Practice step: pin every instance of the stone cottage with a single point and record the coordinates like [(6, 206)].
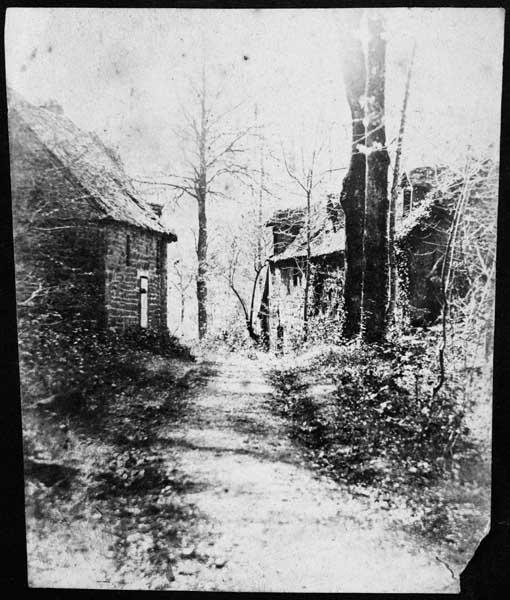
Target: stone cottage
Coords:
[(283, 299), (421, 240), (86, 248), (424, 214), (430, 197)]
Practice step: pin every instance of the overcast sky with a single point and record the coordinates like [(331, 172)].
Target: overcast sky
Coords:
[(123, 72)]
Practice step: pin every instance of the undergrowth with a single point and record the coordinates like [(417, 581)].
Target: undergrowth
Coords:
[(379, 426), (95, 470)]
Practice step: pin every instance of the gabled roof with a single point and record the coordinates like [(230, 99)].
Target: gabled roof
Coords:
[(96, 167), (440, 202), (426, 177), (324, 240), (286, 217)]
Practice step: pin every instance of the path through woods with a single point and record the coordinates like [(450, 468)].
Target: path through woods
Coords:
[(267, 521)]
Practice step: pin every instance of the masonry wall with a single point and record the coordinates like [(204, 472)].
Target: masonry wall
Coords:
[(286, 307), (61, 248), (420, 265), (123, 272), (58, 247), (287, 300)]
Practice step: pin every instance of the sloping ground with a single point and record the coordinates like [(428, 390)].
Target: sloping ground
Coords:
[(104, 505), (269, 523)]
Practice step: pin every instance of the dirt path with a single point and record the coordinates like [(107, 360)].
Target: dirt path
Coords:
[(269, 523)]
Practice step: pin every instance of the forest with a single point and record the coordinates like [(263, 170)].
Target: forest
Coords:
[(259, 314)]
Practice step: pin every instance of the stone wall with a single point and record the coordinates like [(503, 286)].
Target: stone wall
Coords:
[(421, 255), (57, 245), (286, 301), (63, 249), (123, 272), (287, 293)]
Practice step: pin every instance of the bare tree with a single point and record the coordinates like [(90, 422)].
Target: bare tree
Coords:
[(307, 185), (211, 151), (469, 254), (394, 195), (261, 186), (308, 179), (233, 268), (181, 283)]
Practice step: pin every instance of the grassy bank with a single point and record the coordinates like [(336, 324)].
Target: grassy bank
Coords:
[(368, 417)]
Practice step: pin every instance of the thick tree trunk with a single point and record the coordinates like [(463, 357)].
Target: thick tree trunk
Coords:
[(202, 263), (352, 197), (375, 281)]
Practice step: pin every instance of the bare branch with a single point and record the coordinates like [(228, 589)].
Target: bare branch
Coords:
[(33, 296)]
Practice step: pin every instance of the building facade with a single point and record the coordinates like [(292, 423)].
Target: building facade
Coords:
[(284, 300), (425, 209), (86, 248)]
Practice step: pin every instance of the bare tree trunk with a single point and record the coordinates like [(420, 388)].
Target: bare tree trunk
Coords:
[(352, 197), (202, 266), (248, 317), (264, 311), (201, 195), (393, 197), (253, 292), (446, 269), (308, 255), (260, 198), (375, 281)]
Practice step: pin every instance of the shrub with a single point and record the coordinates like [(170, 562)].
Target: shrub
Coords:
[(382, 418)]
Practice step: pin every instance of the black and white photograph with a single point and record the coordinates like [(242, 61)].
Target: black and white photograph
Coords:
[(255, 274)]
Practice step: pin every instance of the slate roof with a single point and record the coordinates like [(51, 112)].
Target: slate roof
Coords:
[(94, 165)]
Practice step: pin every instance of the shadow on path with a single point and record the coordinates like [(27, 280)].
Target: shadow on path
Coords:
[(271, 523)]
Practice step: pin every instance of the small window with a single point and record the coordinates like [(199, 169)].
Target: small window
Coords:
[(158, 254), (144, 301), (286, 278), (128, 250), (296, 276)]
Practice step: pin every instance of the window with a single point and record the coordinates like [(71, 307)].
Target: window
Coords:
[(128, 250), (144, 301), (296, 276), (158, 254), (285, 278)]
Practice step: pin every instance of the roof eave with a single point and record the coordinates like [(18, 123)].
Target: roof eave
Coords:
[(166, 234), (276, 260)]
